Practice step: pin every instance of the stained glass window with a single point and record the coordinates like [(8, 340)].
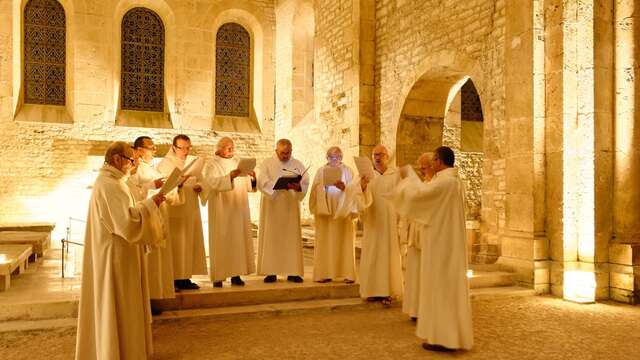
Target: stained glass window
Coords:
[(44, 53), (232, 70), (142, 85)]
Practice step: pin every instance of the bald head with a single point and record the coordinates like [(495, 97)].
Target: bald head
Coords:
[(225, 148), (424, 164), (283, 150), (380, 156)]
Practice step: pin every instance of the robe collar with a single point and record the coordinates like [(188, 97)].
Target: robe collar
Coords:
[(390, 170), (113, 172), (173, 157), (448, 172)]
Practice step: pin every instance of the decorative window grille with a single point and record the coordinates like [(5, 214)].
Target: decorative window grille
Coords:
[(471, 108), (232, 70), (142, 86), (44, 53)]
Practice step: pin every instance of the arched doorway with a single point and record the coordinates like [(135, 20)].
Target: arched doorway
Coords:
[(447, 111)]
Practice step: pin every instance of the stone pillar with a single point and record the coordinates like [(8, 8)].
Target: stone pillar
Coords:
[(524, 246), (626, 186), (369, 130)]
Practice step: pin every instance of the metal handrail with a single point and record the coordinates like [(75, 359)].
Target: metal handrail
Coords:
[(68, 241)]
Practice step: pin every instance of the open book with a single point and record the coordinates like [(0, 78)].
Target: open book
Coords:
[(174, 179), (289, 177)]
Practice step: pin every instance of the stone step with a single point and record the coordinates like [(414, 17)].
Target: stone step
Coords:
[(500, 292), (260, 310), (489, 279), (256, 292)]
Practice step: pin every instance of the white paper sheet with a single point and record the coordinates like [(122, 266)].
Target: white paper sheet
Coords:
[(331, 175), (173, 180), (364, 166), (194, 167), (246, 165)]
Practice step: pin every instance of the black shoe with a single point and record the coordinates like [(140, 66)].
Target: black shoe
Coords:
[(294, 278), (187, 284), (217, 284), (438, 348), (349, 281), (270, 278), (414, 319), (155, 311), (236, 280), (324, 281)]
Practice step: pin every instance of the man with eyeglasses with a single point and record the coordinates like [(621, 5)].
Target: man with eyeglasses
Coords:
[(380, 261), (444, 312), (143, 183), (114, 279), (185, 222), (333, 214)]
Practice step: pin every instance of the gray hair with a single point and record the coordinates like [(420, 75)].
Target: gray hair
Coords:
[(222, 142), (334, 150), (283, 142), (116, 148)]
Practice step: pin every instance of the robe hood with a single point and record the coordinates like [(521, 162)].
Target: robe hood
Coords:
[(111, 171)]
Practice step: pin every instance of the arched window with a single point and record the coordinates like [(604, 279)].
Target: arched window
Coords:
[(142, 86), (44, 53), (232, 70)]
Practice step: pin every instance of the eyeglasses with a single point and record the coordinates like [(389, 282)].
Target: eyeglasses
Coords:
[(151, 148), (133, 161), (184, 147)]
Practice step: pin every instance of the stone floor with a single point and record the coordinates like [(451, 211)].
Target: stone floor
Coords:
[(505, 328)]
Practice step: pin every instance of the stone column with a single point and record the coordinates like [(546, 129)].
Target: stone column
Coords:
[(369, 129), (524, 246), (625, 253)]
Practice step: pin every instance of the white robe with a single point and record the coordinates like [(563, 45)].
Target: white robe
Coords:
[(334, 229), (230, 240), (444, 314), (114, 317), (160, 258), (185, 224), (380, 260), (411, 295), (279, 237)]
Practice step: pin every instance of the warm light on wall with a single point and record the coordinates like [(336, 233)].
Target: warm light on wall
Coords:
[(580, 286), (469, 274)]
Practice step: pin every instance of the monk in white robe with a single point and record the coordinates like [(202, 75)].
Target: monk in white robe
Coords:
[(185, 222), (380, 260), (444, 314), (411, 296), (145, 182), (333, 221), (230, 237), (279, 237), (114, 318)]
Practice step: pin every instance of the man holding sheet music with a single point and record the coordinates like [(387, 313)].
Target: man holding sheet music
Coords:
[(185, 222), (226, 183), (283, 182), (380, 266), (333, 219)]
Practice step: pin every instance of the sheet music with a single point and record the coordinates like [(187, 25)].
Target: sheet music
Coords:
[(246, 165), (331, 175), (173, 180), (193, 168), (364, 166)]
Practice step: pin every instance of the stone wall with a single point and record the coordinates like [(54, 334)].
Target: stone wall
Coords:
[(47, 167), (438, 44)]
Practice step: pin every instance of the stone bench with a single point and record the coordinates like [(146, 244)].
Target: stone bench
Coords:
[(40, 241), (36, 227), (12, 258)]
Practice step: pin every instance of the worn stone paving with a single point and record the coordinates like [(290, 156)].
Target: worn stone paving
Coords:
[(511, 328)]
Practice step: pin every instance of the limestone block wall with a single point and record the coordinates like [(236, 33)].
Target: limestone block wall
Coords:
[(440, 43), (334, 118), (48, 167)]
